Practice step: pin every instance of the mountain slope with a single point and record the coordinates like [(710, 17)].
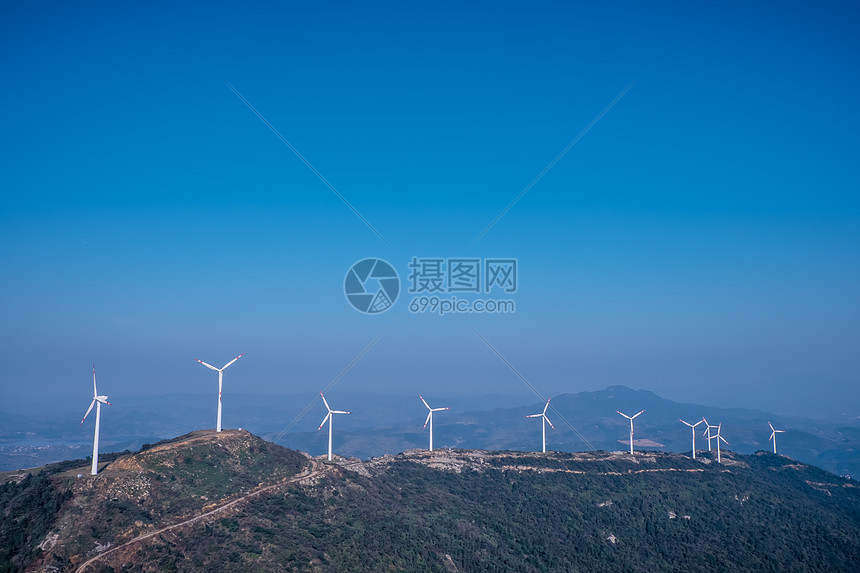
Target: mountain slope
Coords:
[(230, 501), (134, 494)]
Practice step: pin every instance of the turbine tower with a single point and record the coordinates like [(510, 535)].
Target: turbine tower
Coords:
[(329, 418), (718, 437), (220, 372), (429, 419), (544, 422), (631, 427), (97, 402), (693, 431), (773, 434), (707, 433)]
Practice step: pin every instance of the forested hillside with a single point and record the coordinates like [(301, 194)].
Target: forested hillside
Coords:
[(449, 510)]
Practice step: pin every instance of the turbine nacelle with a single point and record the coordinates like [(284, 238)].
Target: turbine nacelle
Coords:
[(220, 372), (96, 397), (631, 426), (97, 401), (329, 417), (718, 437), (207, 365), (693, 431), (773, 433), (630, 417), (544, 422), (430, 411), (543, 415)]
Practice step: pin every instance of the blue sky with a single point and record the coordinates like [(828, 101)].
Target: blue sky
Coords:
[(702, 240)]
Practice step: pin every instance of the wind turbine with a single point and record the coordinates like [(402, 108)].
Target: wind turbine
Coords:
[(220, 372), (773, 434), (544, 422), (430, 418), (693, 431), (718, 437), (707, 432), (631, 427), (97, 401), (330, 418)]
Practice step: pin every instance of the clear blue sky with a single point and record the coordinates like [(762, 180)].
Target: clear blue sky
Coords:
[(702, 240)]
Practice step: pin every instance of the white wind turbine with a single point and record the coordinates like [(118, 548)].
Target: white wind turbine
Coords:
[(430, 418), (718, 437), (97, 402), (708, 433), (773, 434), (631, 426), (329, 418), (220, 372), (544, 422), (693, 430)]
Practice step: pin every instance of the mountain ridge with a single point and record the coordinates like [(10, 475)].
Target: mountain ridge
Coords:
[(207, 501)]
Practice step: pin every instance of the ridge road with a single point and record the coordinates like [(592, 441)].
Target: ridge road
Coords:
[(317, 468)]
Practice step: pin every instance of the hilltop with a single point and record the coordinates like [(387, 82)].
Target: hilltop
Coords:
[(232, 501), (133, 494)]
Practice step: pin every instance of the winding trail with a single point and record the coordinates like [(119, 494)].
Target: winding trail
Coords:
[(317, 468)]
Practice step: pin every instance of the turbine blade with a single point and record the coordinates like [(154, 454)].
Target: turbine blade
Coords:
[(772, 434), (439, 409), (327, 416), (688, 423), (547, 405), (771, 426), (340, 412), (232, 361), (425, 402), (95, 392), (723, 439), (325, 402), (93, 403), (206, 365), (534, 415), (550, 423), (637, 414), (427, 421)]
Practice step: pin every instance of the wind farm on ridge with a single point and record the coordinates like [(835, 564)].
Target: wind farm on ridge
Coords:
[(709, 433)]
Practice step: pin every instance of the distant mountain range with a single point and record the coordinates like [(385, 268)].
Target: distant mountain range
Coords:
[(383, 425)]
